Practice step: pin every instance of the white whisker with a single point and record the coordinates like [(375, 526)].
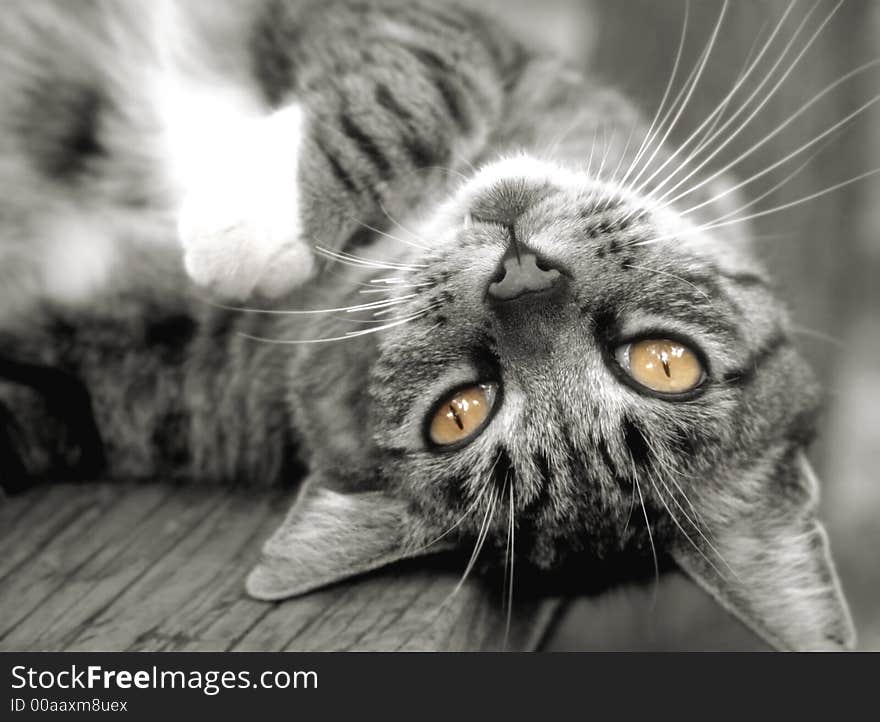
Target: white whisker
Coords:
[(306, 312), (700, 68), (363, 262), (761, 214), (682, 530), (672, 275), (481, 539), (403, 227), (812, 333), (649, 134), (511, 550), (806, 146), (770, 191), (776, 131), (390, 235), (727, 99), (348, 335), (650, 535), (467, 511)]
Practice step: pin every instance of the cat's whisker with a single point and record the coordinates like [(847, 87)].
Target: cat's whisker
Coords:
[(700, 68), (404, 228), (346, 336), (610, 196), (747, 62), (308, 312), (343, 274), (478, 546), (468, 511), (553, 146), (353, 264), (698, 521), (727, 99), (390, 318), (706, 142), (435, 167), (385, 234), (671, 275), (647, 139), (481, 539), (697, 528), (592, 152), (384, 303), (666, 201), (465, 161), (632, 506), (362, 262), (670, 472), (614, 174), (606, 146), (651, 143), (511, 547), (760, 214), (401, 285), (766, 99), (650, 535), (430, 307), (813, 333), (687, 536), (770, 191)]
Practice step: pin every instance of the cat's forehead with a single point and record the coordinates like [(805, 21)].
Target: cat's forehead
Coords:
[(550, 201)]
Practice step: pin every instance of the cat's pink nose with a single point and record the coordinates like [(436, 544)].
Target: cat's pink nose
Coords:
[(519, 274)]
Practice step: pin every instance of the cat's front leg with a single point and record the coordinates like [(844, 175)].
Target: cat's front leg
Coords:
[(240, 221)]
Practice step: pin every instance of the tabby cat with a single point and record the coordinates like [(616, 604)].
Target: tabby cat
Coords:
[(386, 242)]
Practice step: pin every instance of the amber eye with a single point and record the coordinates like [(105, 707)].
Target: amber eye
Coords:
[(661, 365), (462, 415)]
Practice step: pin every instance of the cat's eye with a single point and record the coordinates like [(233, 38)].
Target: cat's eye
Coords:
[(662, 365), (462, 415)]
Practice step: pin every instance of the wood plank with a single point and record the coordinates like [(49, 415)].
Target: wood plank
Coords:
[(214, 607), (405, 607), (88, 588), (39, 523), (155, 567), (48, 572), (14, 510), (135, 599)]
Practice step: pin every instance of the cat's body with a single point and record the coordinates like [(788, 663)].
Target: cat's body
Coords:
[(428, 148)]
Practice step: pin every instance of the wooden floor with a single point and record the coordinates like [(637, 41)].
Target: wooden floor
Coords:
[(152, 567)]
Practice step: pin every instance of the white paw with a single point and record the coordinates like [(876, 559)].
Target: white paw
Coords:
[(239, 223)]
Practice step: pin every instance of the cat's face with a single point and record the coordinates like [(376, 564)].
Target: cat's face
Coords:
[(575, 431), (636, 391)]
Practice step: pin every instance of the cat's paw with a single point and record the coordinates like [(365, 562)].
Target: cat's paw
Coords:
[(244, 239), (239, 224)]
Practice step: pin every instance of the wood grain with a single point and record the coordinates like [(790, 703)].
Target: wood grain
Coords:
[(152, 567)]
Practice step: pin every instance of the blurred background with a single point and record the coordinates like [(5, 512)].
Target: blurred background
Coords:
[(825, 255)]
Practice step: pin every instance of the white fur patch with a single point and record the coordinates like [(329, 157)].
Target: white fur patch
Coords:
[(239, 223), (523, 167)]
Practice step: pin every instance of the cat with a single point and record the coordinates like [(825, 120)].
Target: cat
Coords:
[(387, 246)]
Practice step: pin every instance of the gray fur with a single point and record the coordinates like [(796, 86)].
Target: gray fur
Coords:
[(401, 99)]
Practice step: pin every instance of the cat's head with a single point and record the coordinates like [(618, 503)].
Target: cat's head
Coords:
[(592, 375)]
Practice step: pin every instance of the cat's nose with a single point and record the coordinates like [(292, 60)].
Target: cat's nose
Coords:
[(521, 273)]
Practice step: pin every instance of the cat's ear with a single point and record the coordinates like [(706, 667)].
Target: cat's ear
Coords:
[(328, 536), (770, 566)]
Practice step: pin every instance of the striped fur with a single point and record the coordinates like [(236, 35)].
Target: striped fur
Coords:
[(426, 136)]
